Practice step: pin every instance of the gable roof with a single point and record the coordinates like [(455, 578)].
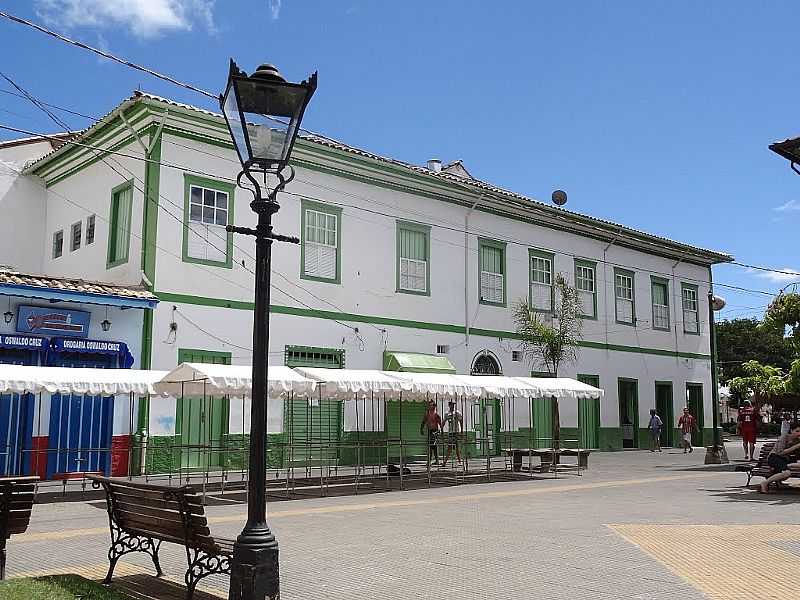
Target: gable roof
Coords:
[(545, 214)]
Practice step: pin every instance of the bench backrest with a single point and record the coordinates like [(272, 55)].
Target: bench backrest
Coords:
[(764, 453), (172, 514), (16, 502)]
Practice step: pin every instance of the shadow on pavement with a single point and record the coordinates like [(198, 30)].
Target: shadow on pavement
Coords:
[(787, 495), (148, 587)]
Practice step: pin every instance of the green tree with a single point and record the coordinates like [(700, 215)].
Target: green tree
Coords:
[(551, 339), (762, 382), (784, 312), (741, 340)]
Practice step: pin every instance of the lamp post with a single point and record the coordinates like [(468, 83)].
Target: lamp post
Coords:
[(716, 453), (263, 113)]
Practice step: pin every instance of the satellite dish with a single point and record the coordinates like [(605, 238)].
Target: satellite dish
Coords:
[(559, 197)]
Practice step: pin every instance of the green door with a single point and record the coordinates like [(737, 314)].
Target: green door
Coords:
[(543, 422), (488, 427), (628, 394), (201, 423), (402, 423), (314, 428), (694, 400), (665, 411), (589, 415)]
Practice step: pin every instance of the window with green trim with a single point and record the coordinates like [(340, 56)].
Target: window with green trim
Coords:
[(58, 243), (413, 258), (593, 380), (212, 357), (541, 281), (659, 291), (492, 272), (321, 242), (119, 234), (691, 312), (307, 356), (75, 236), (624, 297), (586, 285), (208, 207)]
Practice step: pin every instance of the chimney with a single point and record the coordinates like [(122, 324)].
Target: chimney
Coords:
[(435, 165)]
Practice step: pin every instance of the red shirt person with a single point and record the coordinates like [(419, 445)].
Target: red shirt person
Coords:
[(687, 424), (748, 428)]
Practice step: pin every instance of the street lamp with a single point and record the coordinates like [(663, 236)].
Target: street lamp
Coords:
[(263, 112), (790, 150), (716, 453)]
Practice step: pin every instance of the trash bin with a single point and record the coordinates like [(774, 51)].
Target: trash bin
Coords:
[(139, 453)]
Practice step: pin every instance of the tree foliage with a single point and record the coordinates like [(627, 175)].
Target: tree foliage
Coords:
[(551, 343), (742, 340), (760, 381), (784, 312)]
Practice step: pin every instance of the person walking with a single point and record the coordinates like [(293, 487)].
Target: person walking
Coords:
[(432, 422), (655, 426), (454, 422), (747, 423), (778, 459), (687, 424), (786, 421)]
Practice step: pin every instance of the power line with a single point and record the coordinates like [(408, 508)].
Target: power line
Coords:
[(61, 108), (107, 55)]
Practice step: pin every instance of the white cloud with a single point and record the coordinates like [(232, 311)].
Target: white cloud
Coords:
[(779, 276), (144, 18), (791, 205), (275, 8)]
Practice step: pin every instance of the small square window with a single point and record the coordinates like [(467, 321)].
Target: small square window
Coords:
[(90, 229), (75, 236), (516, 356), (58, 243), (442, 348)]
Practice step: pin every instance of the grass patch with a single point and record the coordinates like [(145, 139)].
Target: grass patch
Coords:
[(57, 587)]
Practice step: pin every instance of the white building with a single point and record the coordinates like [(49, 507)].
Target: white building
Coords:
[(394, 258)]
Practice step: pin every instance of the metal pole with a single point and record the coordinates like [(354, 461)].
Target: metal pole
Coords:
[(716, 454), (254, 568)]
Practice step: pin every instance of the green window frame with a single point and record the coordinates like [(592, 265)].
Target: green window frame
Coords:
[(211, 357), (690, 304), (310, 356), (207, 202), (119, 232), (659, 297), (541, 279), (320, 234), (491, 272), (542, 374), (589, 379), (413, 256), (624, 293), (75, 236), (586, 286)]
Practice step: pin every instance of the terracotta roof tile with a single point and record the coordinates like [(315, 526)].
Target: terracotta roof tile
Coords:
[(8, 277)]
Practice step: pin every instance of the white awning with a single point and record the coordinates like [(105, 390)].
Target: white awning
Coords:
[(421, 385), (199, 378), (560, 387), (497, 385), (21, 379), (343, 384)]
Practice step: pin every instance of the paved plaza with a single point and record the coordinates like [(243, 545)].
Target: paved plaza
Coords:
[(636, 525)]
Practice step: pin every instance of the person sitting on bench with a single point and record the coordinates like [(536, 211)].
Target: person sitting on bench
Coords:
[(778, 458)]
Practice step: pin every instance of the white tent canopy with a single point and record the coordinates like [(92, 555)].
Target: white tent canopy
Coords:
[(343, 384), (423, 385), (497, 385), (560, 387), (199, 378), (21, 379)]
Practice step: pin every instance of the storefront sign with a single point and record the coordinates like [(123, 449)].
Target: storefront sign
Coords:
[(23, 342), (53, 321), (119, 349)]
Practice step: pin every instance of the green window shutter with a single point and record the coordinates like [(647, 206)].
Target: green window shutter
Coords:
[(492, 272), (660, 296), (307, 356), (413, 258), (543, 422), (119, 234), (203, 356)]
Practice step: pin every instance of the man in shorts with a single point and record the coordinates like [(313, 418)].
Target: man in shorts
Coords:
[(655, 425), (453, 422), (687, 424), (778, 459), (748, 428), (433, 423)]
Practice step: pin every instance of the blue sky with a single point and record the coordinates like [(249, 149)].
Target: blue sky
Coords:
[(653, 114)]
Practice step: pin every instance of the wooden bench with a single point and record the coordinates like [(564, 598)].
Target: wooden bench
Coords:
[(141, 516), (546, 455), (762, 468), (16, 502)]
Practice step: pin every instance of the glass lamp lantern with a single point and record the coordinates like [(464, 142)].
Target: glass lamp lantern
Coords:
[(263, 112)]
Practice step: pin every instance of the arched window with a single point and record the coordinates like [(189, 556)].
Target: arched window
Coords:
[(485, 363)]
